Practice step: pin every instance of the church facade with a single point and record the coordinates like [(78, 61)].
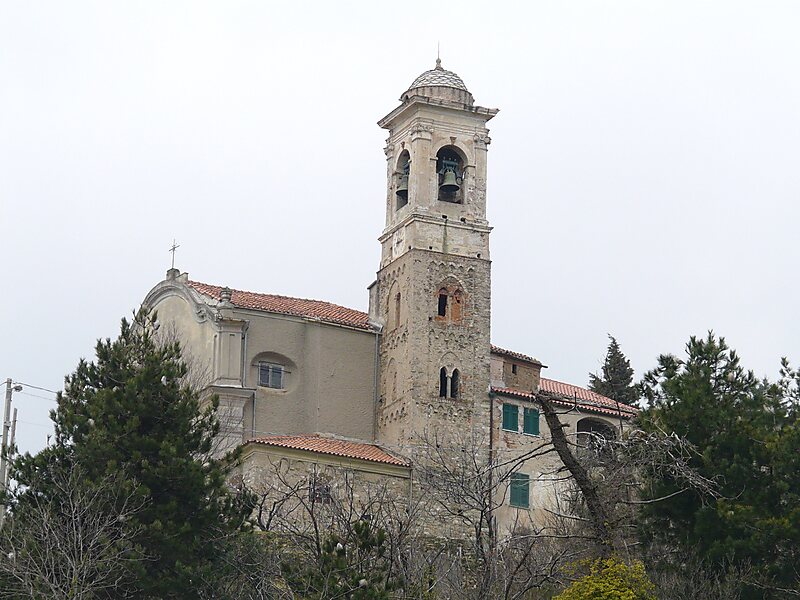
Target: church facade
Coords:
[(327, 387)]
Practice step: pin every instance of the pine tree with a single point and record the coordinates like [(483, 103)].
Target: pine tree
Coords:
[(746, 433), (130, 414), (616, 378)]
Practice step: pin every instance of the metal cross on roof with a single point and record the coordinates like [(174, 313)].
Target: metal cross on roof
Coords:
[(172, 249)]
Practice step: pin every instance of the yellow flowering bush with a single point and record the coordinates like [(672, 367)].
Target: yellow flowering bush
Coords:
[(610, 579)]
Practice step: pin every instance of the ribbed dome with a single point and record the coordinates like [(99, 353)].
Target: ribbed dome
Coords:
[(439, 83), (439, 76)]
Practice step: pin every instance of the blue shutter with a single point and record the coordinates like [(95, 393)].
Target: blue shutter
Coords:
[(511, 417), (520, 490), (530, 423)]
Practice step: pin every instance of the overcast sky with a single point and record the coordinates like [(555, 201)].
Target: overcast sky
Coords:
[(644, 174)]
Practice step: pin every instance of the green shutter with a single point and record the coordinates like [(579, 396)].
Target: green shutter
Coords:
[(511, 417), (520, 490), (530, 422)]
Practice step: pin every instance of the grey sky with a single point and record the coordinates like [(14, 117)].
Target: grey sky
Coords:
[(643, 175)]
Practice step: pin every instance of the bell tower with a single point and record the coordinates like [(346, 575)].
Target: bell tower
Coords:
[(432, 295)]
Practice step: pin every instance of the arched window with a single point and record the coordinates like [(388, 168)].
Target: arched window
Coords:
[(450, 168), (444, 296), (593, 432), (443, 383), (393, 306), (401, 177), (455, 380), (397, 299), (450, 301)]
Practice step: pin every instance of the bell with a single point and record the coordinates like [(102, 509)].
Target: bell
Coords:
[(449, 184), (402, 186)]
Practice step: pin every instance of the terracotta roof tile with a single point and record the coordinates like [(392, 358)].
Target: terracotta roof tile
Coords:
[(334, 447), (299, 307), (517, 355), (570, 395)]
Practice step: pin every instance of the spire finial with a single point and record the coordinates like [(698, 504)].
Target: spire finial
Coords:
[(438, 59)]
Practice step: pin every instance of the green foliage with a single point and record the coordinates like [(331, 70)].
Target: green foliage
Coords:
[(610, 579), (354, 567), (130, 414), (746, 434), (616, 378)]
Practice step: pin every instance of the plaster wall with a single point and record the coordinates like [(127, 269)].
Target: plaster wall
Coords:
[(178, 318), (329, 377)]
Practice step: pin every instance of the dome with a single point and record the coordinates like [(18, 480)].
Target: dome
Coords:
[(439, 83)]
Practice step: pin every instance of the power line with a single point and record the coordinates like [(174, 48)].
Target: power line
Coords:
[(37, 396), (36, 387)]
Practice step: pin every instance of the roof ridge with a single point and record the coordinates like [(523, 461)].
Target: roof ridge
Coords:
[(284, 296)]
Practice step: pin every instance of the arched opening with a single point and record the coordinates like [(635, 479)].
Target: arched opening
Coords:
[(444, 296), (397, 300), (401, 178), (393, 306), (443, 383), (450, 301), (450, 169), (593, 433), (455, 382)]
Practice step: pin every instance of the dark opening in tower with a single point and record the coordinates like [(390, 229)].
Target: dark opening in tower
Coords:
[(450, 169), (401, 178)]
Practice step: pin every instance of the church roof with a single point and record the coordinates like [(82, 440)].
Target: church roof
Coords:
[(285, 305), (331, 446), (573, 395), (439, 76)]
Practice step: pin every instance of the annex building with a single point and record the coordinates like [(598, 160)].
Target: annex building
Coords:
[(327, 387)]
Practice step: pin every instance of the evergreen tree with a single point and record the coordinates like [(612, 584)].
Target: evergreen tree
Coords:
[(131, 415), (746, 434), (616, 378), (353, 567)]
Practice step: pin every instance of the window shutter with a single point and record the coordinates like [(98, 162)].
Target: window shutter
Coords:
[(530, 424), (511, 417), (520, 490)]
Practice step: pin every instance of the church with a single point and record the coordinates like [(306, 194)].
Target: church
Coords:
[(328, 387)]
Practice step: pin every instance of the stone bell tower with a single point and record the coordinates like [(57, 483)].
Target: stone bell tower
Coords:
[(432, 295)]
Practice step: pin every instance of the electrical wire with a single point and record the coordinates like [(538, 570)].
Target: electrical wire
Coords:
[(36, 387), (37, 396)]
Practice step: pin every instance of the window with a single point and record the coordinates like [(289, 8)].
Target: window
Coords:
[(454, 382), (397, 299), (270, 375), (319, 491), (520, 490), (510, 417), (403, 171), (443, 383), (530, 421), (443, 303), (450, 303), (450, 169), (514, 369)]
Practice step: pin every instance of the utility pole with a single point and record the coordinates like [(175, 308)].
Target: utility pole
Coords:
[(11, 442), (10, 389), (6, 428)]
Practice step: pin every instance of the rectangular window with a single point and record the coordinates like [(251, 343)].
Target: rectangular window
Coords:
[(319, 491), (520, 490), (511, 417), (514, 369), (530, 421), (270, 375), (442, 305)]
